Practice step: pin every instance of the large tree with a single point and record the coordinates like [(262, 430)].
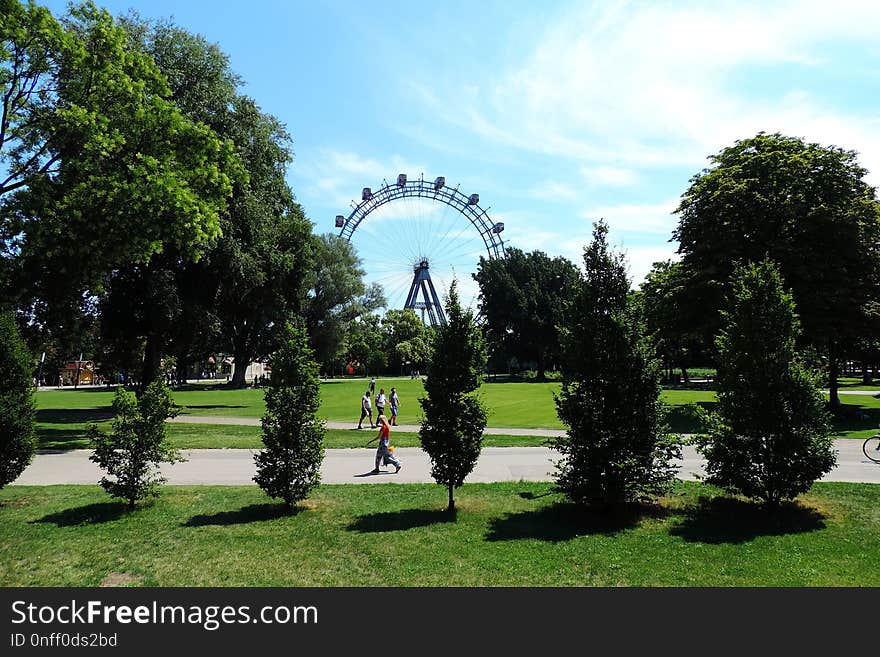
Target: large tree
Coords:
[(804, 206), (407, 339), (770, 437), (252, 280), (616, 447), (521, 299), (125, 173), (108, 172), (670, 316), (337, 296)]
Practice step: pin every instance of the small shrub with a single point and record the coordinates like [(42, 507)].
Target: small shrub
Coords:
[(133, 451)]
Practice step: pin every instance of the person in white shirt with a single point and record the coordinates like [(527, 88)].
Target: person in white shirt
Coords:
[(380, 402), (366, 409), (395, 404)]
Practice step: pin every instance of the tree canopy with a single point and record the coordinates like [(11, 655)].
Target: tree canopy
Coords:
[(522, 297), (802, 205)]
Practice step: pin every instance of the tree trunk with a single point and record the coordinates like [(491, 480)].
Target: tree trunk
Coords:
[(684, 374), (182, 368), (833, 371), (866, 372), (451, 506), (242, 360), (152, 361)]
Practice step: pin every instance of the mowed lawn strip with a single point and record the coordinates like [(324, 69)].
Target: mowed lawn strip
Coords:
[(231, 436), (513, 534), (63, 415)]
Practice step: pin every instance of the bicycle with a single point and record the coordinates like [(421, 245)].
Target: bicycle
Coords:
[(871, 448)]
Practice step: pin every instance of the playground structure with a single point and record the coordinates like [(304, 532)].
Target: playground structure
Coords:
[(77, 373)]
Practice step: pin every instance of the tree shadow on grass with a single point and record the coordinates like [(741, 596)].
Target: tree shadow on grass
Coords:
[(204, 406), (61, 440), (244, 515), (564, 521), (728, 520), (396, 521), (854, 417), (90, 514), (73, 415)]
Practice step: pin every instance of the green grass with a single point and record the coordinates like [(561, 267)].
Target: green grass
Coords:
[(63, 415), (855, 383), (512, 534), (230, 436)]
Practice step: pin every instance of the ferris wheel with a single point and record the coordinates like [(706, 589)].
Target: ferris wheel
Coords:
[(419, 232)]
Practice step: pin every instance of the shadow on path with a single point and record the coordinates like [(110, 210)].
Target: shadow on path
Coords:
[(244, 515), (564, 521), (395, 521), (728, 520), (91, 514)]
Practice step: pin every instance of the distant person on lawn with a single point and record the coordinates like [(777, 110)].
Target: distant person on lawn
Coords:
[(394, 400), (372, 385), (383, 454), (366, 409)]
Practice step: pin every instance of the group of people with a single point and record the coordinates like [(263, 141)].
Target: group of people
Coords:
[(384, 454), (382, 400)]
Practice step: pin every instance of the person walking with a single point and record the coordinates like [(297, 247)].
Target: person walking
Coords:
[(381, 400), (383, 453), (394, 400), (366, 409), (372, 385)]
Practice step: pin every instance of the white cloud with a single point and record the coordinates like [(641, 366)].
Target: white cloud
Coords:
[(552, 190), (609, 176), (336, 177), (641, 258), (635, 219), (643, 85)]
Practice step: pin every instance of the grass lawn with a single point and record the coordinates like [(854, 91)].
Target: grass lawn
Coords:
[(62, 415), (512, 534), (855, 383), (226, 436)]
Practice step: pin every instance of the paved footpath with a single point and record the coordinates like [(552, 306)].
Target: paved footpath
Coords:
[(352, 466)]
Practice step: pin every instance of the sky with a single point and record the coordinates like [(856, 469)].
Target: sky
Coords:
[(555, 113)]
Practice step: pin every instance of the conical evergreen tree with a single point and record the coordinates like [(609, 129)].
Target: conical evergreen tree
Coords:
[(17, 441), (616, 448), (290, 465), (770, 437), (452, 427)]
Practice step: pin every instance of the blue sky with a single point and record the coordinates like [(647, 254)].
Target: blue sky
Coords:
[(556, 115)]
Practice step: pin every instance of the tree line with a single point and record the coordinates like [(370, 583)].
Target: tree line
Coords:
[(803, 206)]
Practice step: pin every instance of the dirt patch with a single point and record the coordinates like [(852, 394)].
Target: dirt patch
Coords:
[(15, 502), (122, 579)]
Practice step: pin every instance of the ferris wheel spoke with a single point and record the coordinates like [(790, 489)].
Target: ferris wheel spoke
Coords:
[(458, 247), (413, 226)]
